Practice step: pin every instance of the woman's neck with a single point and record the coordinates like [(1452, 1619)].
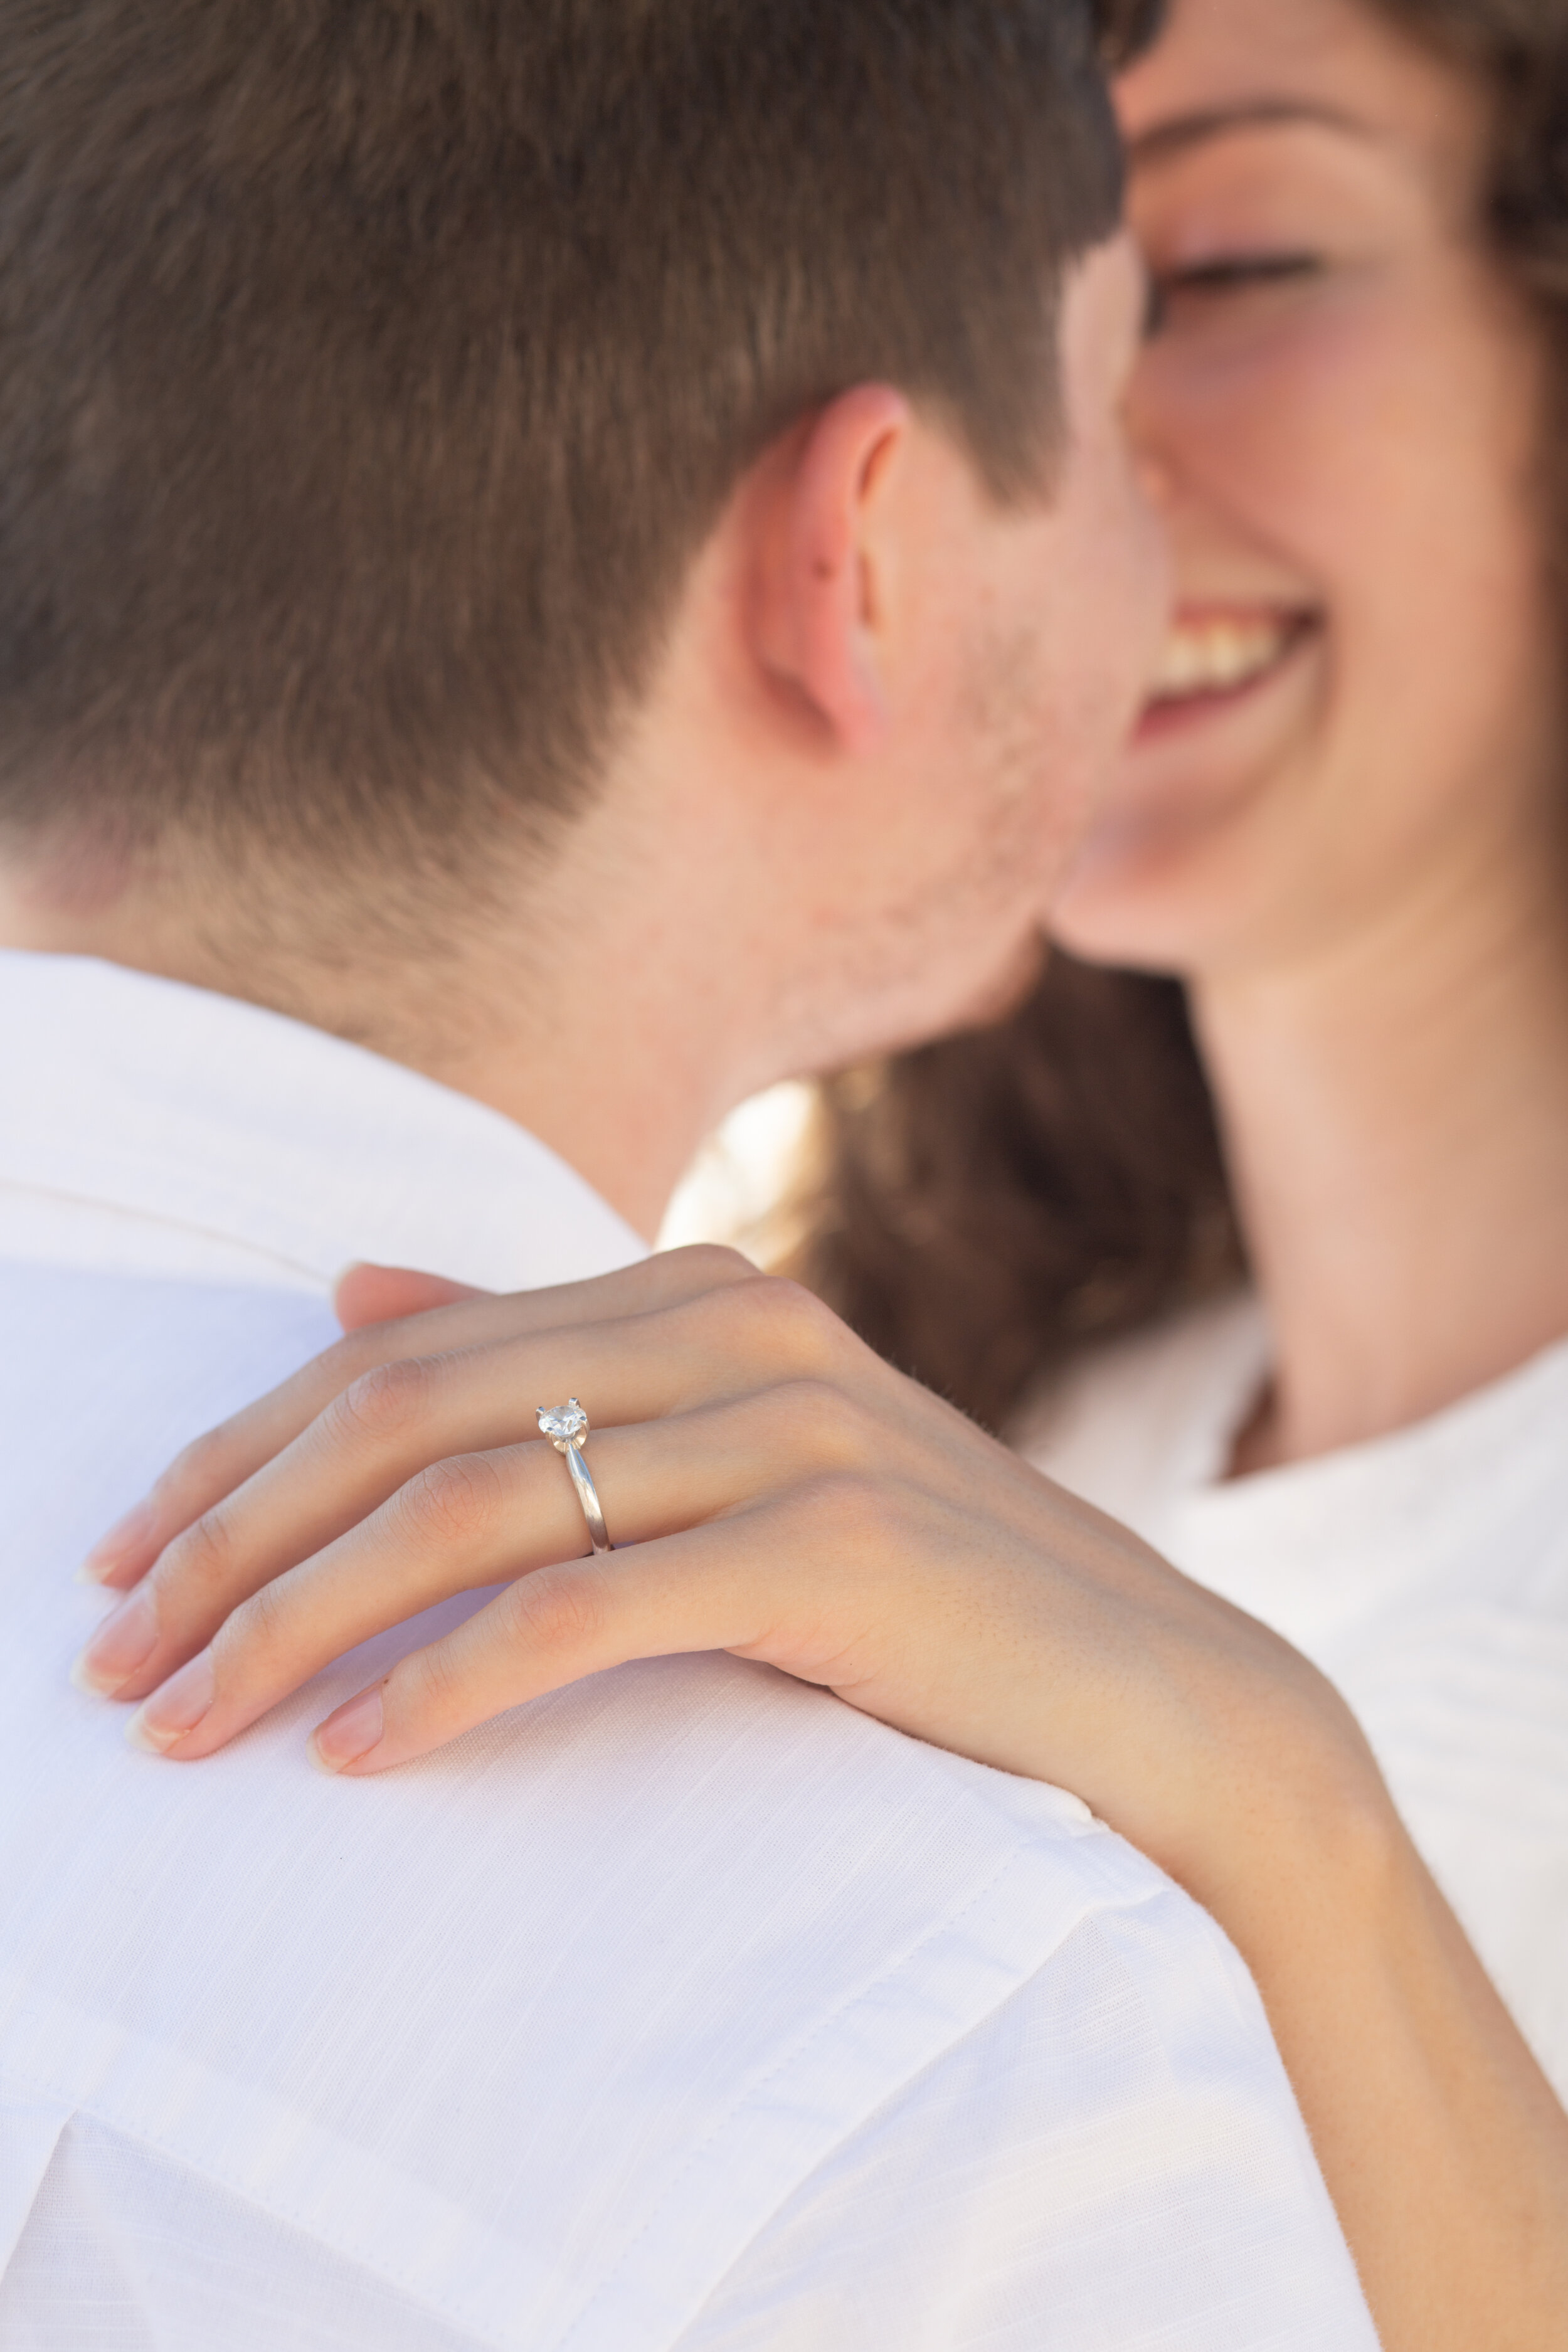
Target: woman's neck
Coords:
[(1397, 1122)]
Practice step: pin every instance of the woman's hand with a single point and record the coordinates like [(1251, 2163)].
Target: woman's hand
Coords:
[(772, 1489), (777, 1491)]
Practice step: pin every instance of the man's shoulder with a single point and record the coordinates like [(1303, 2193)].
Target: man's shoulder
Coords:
[(547, 2029), (552, 2029), (660, 1941)]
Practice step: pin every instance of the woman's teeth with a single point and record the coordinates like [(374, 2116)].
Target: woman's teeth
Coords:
[(1210, 656)]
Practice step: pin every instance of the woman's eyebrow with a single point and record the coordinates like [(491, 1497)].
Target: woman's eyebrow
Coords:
[(1182, 131)]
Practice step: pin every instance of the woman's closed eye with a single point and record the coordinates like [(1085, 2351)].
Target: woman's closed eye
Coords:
[(1222, 277)]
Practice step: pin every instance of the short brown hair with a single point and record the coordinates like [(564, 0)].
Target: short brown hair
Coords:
[(370, 370)]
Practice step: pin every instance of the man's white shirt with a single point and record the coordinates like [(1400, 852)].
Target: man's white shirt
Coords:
[(687, 2008)]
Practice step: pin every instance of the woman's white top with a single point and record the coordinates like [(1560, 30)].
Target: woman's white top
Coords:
[(1427, 1573)]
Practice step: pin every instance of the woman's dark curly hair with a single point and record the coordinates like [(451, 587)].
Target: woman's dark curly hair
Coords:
[(982, 1207)]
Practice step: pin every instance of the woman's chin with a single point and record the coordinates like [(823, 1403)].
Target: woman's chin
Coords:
[(1160, 896), (1172, 872)]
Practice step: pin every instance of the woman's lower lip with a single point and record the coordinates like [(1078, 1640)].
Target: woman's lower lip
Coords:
[(1168, 714)]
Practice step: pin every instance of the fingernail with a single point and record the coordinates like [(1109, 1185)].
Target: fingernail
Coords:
[(122, 1643), (175, 1708), (123, 1538), (347, 1734)]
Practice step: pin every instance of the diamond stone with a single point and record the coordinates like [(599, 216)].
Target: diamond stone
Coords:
[(564, 1424)]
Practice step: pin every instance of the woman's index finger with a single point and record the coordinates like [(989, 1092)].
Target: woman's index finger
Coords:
[(223, 1457), (210, 1469)]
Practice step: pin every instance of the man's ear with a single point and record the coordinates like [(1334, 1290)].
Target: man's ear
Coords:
[(825, 588)]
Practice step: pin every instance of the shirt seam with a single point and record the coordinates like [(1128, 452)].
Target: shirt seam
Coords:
[(1126, 1901), (139, 2133)]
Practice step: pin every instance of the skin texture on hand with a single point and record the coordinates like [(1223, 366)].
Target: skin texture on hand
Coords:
[(776, 1490)]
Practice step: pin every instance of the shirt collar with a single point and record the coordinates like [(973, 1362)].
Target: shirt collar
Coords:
[(126, 1093)]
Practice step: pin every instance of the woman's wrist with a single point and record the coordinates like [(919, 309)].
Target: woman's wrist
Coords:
[(1299, 1835), (1407, 2068), (1201, 1736)]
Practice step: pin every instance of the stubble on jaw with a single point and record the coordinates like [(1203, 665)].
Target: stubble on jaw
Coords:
[(1033, 773), (980, 919)]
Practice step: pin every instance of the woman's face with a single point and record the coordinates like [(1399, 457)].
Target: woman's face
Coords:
[(1339, 403)]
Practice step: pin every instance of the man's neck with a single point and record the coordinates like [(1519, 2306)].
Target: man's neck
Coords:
[(566, 1019)]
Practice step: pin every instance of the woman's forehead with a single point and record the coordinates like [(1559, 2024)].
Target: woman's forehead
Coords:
[(1224, 66)]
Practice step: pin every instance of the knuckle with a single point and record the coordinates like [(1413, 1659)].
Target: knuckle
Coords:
[(338, 1366), (452, 1502), (779, 1320), (811, 1329), (257, 1630), (429, 1687), (199, 1470), (560, 1613), (849, 1507), (818, 1421), (201, 1560), (715, 1261), (383, 1403), (346, 1357)]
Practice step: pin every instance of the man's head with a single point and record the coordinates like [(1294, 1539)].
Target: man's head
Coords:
[(384, 387)]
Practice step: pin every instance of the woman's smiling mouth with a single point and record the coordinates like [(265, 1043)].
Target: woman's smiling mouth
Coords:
[(1213, 656)]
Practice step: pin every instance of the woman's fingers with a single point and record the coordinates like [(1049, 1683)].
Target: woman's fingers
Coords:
[(464, 1523), (813, 1580), (219, 1462), (391, 1424), (389, 1293), (548, 1629), (394, 1421)]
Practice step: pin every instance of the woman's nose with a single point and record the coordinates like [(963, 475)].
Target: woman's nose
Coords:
[(1139, 416), (1156, 476)]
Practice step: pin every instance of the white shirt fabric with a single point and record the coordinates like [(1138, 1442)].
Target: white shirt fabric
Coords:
[(684, 2008), (1427, 1573)]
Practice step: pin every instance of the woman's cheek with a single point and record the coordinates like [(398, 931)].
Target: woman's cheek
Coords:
[(1271, 426)]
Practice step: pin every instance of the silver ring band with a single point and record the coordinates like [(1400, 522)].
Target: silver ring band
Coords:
[(566, 1427), (588, 1494)]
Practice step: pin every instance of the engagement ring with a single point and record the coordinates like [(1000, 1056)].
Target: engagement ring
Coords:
[(566, 1427)]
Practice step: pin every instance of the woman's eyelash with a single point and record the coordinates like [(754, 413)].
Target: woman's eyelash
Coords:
[(1226, 273)]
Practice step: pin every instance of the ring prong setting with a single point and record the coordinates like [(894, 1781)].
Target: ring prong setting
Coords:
[(564, 1424)]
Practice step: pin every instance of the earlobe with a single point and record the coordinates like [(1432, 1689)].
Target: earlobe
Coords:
[(826, 595)]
